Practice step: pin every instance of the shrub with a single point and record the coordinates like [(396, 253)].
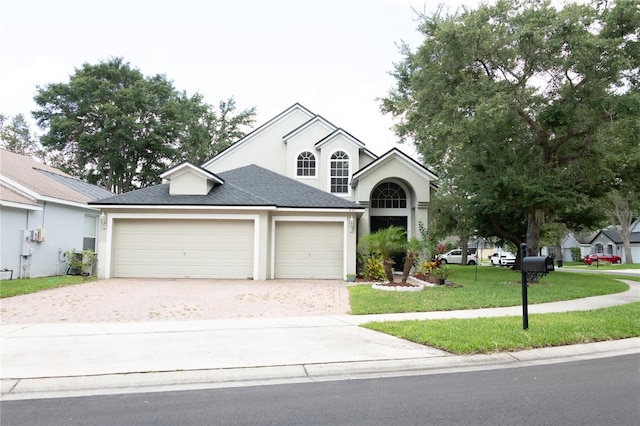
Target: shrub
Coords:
[(576, 254), (372, 267)]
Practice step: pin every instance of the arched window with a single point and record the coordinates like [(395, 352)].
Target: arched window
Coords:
[(339, 173), (306, 165), (388, 195)]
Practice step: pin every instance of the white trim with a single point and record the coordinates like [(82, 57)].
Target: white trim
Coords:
[(21, 188), (22, 206), (138, 216), (190, 168), (317, 119), (179, 207), (389, 156), (340, 132), (39, 197), (274, 219), (206, 207), (70, 203)]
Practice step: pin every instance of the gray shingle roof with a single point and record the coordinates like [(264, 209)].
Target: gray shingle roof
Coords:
[(93, 192), (245, 186)]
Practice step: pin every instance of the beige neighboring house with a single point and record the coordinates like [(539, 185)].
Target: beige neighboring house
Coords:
[(289, 200), (43, 213)]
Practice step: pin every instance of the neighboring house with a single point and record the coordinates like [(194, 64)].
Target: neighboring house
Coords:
[(289, 200), (573, 240), (609, 241), (43, 213)]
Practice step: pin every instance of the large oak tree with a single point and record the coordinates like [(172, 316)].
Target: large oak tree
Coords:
[(505, 101), (110, 125)]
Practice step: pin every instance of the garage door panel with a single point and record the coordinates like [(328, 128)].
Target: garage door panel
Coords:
[(309, 250), (183, 248)]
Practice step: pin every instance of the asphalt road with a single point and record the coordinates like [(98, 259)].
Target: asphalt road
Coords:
[(594, 392)]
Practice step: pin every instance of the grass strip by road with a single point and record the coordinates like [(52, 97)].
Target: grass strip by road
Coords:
[(483, 287), (489, 335), (9, 288)]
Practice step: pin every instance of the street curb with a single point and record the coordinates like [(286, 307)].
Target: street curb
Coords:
[(146, 382)]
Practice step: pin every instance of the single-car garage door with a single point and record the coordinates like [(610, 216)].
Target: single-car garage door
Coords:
[(309, 250), (183, 248)]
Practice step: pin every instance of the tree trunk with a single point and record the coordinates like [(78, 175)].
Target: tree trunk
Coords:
[(535, 219), (464, 246), (408, 264), (388, 269)]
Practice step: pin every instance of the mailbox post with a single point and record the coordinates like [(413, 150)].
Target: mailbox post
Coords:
[(533, 266), (525, 308)]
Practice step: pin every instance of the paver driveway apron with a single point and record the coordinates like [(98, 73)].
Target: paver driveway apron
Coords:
[(140, 300)]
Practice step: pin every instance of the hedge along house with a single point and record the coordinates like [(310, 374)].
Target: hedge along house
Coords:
[(289, 200)]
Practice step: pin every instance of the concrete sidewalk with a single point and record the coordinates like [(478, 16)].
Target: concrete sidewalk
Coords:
[(54, 360)]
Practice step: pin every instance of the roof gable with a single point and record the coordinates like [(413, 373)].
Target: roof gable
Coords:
[(337, 134), (394, 155), (187, 179), (315, 121), (295, 108)]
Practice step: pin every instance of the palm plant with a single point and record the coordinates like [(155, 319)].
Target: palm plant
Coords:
[(413, 250), (386, 242)]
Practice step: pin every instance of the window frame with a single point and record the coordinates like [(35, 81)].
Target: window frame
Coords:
[(397, 200), (346, 161), (313, 169), (86, 236)]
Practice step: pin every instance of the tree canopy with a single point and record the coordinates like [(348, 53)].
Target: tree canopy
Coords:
[(507, 101), (16, 136), (111, 125)]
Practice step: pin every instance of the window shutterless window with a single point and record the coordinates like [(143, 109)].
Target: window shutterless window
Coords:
[(339, 172), (306, 164), (90, 232)]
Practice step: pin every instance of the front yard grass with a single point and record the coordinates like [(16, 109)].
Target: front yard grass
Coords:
[(489, 335), (483, 287), (9, 288)]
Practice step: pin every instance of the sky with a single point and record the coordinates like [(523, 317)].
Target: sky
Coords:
[(331, 56)]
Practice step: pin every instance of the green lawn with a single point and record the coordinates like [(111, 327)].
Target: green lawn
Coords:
[(488, 335), (603, 266), (10, 288), (486, 287), (483, 287)]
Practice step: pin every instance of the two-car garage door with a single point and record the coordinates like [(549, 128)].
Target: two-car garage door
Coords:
[(224, 248), (165, 248)]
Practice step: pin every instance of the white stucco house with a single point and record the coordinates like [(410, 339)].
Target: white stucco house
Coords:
[(288, 200), (43, 213)]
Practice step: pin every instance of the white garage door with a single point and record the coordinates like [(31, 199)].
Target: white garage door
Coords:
[(309, 250), (183, 248)]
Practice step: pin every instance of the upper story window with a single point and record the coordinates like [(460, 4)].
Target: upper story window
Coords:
[(339, 173), (388, 195), (306, 164)]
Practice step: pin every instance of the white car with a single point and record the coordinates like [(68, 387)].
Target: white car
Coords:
[(504, 258), (455, 256)]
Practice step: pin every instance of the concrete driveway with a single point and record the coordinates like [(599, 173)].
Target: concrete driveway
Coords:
[(143, 300)]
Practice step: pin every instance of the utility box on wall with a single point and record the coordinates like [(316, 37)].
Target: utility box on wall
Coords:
[(38, 235), (25, 243)]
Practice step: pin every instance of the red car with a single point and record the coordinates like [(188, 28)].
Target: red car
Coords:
[(601, 257)]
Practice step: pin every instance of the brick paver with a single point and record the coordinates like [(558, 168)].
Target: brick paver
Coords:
[(136, 300)]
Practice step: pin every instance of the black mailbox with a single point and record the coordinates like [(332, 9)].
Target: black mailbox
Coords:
[(539, 264)]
